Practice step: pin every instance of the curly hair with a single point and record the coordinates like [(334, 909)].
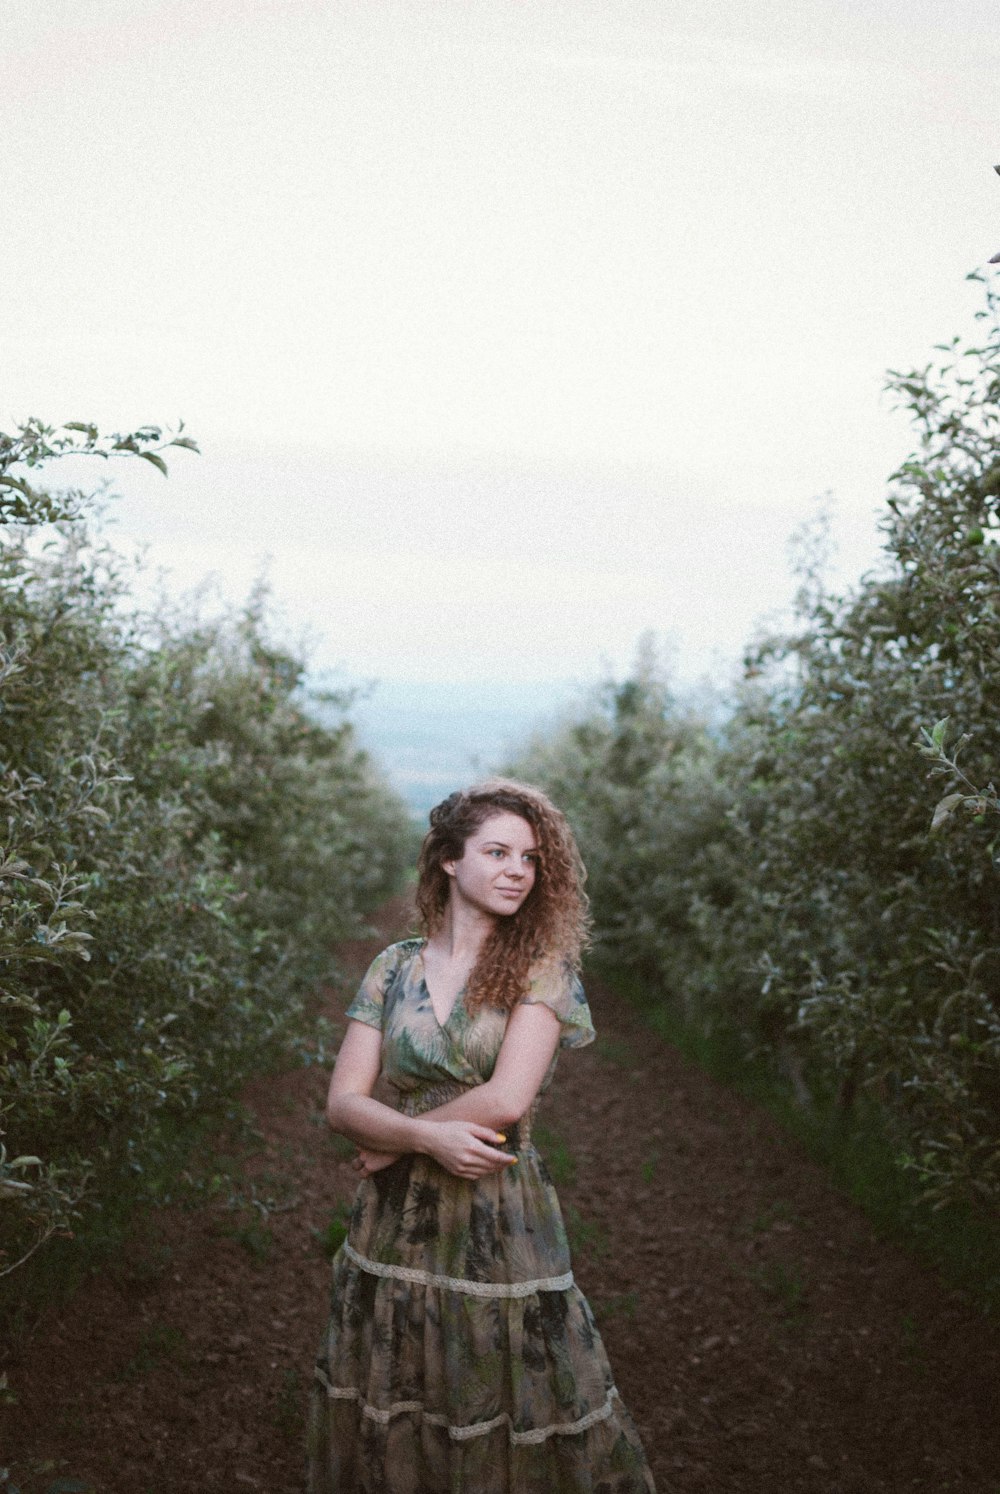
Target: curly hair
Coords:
[(550, 927)]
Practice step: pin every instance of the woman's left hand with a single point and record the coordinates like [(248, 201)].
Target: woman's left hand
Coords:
[(368, 1162)]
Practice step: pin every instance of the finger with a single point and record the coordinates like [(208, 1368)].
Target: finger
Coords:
[(487, 1167)]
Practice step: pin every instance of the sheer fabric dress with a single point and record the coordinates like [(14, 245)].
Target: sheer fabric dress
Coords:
[(460, 1357)]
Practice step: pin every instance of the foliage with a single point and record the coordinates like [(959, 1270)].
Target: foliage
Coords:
[(789, 859), (976, 801), (184, 831), (34, 444), (635, 773)]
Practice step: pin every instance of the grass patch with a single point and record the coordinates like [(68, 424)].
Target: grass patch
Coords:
[(615, 1050), (288, 1412), (145, 1261), (341, 1146), (784, 1285), (256, 1237), (558, 1158), (334, 1233), (779, 1214), (269, 1193), (857, 1148), (912, 1345), (617, 1305), (585, 1235), (647, 1170)]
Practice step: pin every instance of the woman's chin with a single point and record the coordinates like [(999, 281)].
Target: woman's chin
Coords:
[(508, 905)]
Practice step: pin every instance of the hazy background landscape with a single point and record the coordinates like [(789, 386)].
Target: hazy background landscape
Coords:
[(508, 333)]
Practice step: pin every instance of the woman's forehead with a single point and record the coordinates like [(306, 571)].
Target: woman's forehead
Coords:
[(504, 825)]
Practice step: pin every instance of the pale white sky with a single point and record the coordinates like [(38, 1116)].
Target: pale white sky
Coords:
[(509, 330)]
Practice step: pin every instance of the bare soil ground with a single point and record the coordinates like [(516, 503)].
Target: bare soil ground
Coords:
[(762, 1336)]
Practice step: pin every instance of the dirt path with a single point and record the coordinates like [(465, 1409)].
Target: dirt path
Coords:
[(762, 1337)]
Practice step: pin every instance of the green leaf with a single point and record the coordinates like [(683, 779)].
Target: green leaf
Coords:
[(945, 809), (939, 732), (12, 1189), (157, 461)]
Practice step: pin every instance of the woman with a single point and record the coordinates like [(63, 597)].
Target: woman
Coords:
[(460, 1356)]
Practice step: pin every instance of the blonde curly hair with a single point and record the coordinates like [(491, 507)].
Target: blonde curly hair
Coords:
[(551, 925)]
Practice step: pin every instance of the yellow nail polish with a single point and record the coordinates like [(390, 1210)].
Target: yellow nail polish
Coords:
[(501, 1136)]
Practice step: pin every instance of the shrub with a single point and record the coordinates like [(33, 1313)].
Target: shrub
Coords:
[(186, 830), (635, 772), (789, 858)]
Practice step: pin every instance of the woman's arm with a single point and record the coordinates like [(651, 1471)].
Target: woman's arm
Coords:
[(458, 1143), (522, 1063), (527, 1049)]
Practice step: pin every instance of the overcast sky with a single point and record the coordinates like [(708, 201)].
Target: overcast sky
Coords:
[(509, 330)]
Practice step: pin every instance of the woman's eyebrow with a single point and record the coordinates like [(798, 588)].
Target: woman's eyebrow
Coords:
[(504, 846)]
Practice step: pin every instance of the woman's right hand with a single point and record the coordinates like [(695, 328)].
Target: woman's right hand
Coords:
[(466, 1149), (368, 1161)]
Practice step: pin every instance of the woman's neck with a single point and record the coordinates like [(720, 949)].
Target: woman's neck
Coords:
[(463, 932)]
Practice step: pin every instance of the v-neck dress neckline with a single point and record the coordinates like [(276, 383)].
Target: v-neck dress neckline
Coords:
[(459, 994)]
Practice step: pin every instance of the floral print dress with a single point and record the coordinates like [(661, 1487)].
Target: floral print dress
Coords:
[(460, 1358)]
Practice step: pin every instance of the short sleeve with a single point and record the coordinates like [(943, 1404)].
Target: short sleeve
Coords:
[(558, 988), (368, 1003)]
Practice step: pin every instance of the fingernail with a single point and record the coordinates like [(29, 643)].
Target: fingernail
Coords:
[(501, 1136)]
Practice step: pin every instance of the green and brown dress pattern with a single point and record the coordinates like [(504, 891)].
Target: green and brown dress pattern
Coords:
[(460, 1357)]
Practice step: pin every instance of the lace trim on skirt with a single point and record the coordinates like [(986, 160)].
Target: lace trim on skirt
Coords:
[(477, 1429), (460, 1283)]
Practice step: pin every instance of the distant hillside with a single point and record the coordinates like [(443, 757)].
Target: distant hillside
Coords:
[(434, 738)]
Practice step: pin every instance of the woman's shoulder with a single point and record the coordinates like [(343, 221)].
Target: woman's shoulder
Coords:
[(403, 948), (556, 984), (552, 970), (395, 956), (383, 974)]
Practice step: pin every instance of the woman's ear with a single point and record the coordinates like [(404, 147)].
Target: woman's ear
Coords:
[(448, 867)]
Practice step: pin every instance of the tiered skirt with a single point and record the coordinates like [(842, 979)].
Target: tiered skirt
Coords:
[(460, 1357)]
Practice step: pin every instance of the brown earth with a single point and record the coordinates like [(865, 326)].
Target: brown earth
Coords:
[(763, 1337)]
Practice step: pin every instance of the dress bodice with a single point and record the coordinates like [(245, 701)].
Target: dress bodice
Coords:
[(424, 1059)]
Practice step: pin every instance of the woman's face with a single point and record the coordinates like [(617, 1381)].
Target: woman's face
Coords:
[(498, 865)]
